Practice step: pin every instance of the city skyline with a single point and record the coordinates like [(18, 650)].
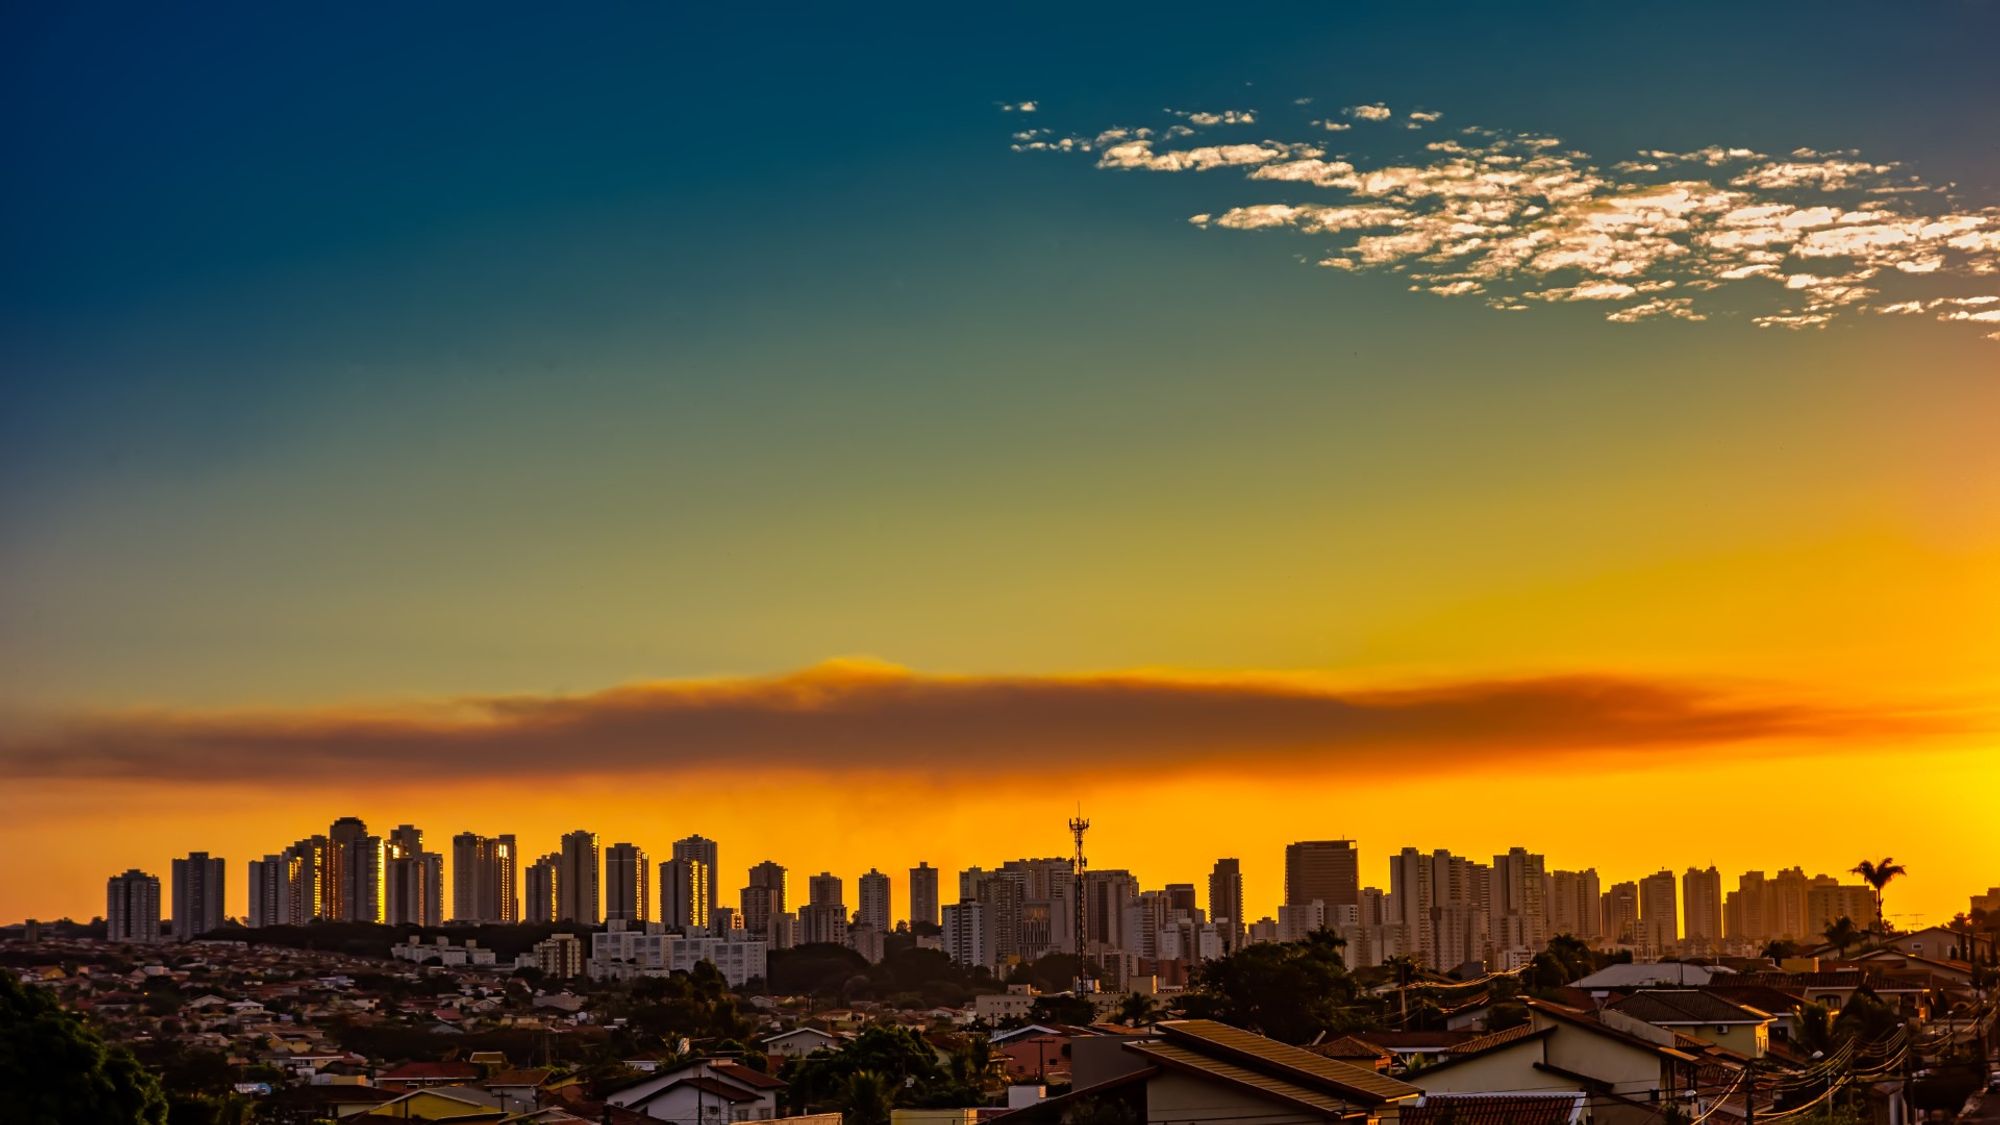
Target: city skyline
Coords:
[(886, 428), (1329, 875)]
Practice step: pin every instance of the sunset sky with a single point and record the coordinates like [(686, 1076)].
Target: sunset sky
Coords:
[(866, 436)]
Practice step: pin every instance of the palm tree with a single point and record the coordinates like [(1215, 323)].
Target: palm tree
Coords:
[(1878, 876), (1841, 933)]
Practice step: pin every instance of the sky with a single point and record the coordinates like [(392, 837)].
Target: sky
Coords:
[(865, 437)]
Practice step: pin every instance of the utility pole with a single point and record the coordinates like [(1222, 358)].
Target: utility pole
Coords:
[(1077, 827)]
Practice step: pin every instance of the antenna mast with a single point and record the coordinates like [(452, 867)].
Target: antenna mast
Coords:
[(1077, 827)]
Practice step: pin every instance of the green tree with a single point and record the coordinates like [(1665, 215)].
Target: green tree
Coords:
[(56, 1071), (1137, 1011), (1778, 949), (1841, 933), (866, 1098), (1878, 876), (897, 1056), (1062, 1008), (1290, 991)]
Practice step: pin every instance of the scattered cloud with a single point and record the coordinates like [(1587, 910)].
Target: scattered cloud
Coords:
[(1226, 117), (1518, 219), (848, 717), (1018, 107)]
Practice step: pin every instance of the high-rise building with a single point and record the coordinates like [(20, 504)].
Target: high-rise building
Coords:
[(824, 917), (1409, 901), (1743, 909), (1575, 904), (1107, 891), (1517, 916), (579, 878), (1225, 902), (413, 880), (310, 891), (1659, 913), (923, 895), (872, 905), (685, 885), (355, 861), (1001, 896), (1326, 871), (269, 901), (764, 899), (702, 848), (485, 878), (1701, 903), (542, 902), (132, 907), (964, 933), (198, 894), (627, 884), (1620, 912)]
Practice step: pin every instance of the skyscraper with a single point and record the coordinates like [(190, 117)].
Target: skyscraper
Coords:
[(268, 892), (685, 889), (1701, 900), (627, 883), (1326, 871), (485, 878), (1659, 913), (1621, 914), (1516, 913), (1225, 901), (543, 881), (872, 906), (1574, 904), (577, 898), (702, 848), (824, 918), (198, 895), (764, 898), (413, 880), (355, 861), (923, 895), (132, 907)]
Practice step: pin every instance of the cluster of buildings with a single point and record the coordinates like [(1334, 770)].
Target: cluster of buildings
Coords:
[(1439, 909)]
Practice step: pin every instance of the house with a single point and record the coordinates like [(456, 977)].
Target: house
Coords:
[(459, 1104), (1941, 944), (800, 1042), (1498, 1109), (1744, 1030), (518, 1090), (418, 1075), (1645, 974), (1189, 1070), (1950, 973), (1609, 1056), (702, 1092)]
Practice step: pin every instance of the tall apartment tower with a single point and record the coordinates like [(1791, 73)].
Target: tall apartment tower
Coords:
[(577, 898), (627, 883), (269, 901), (198, 891), (543, 880), (1659, 913), (413, 880), (355, 860), (1620, 912), (310, 890), (1575, 904), (1327, 871), (1409, 902), (1225, 902), (824, 918), (764, 899), (1517, 915), (485, 878), (686, 885), (872, 901), (702, 848), (132, 907), (923, 895), (1701, 904)]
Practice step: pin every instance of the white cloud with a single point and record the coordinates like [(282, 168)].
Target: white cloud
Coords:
[(1519, 220), (1018, 107), (1424, 116)]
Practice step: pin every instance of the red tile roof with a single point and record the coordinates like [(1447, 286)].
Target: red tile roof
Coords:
[(1492, 1109)]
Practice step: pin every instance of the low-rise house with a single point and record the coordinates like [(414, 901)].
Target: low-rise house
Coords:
[(1200, 1070), (800, 1042), (702, 1092), (1704, 1015)]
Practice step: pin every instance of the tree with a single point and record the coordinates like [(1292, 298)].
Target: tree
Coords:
[(866, 1098), (897, 1058), (59, 1072), (1137, 1011), (1290, 991), (1778, 949), (1878, 876), (1062, 1007), (1841, 933)]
